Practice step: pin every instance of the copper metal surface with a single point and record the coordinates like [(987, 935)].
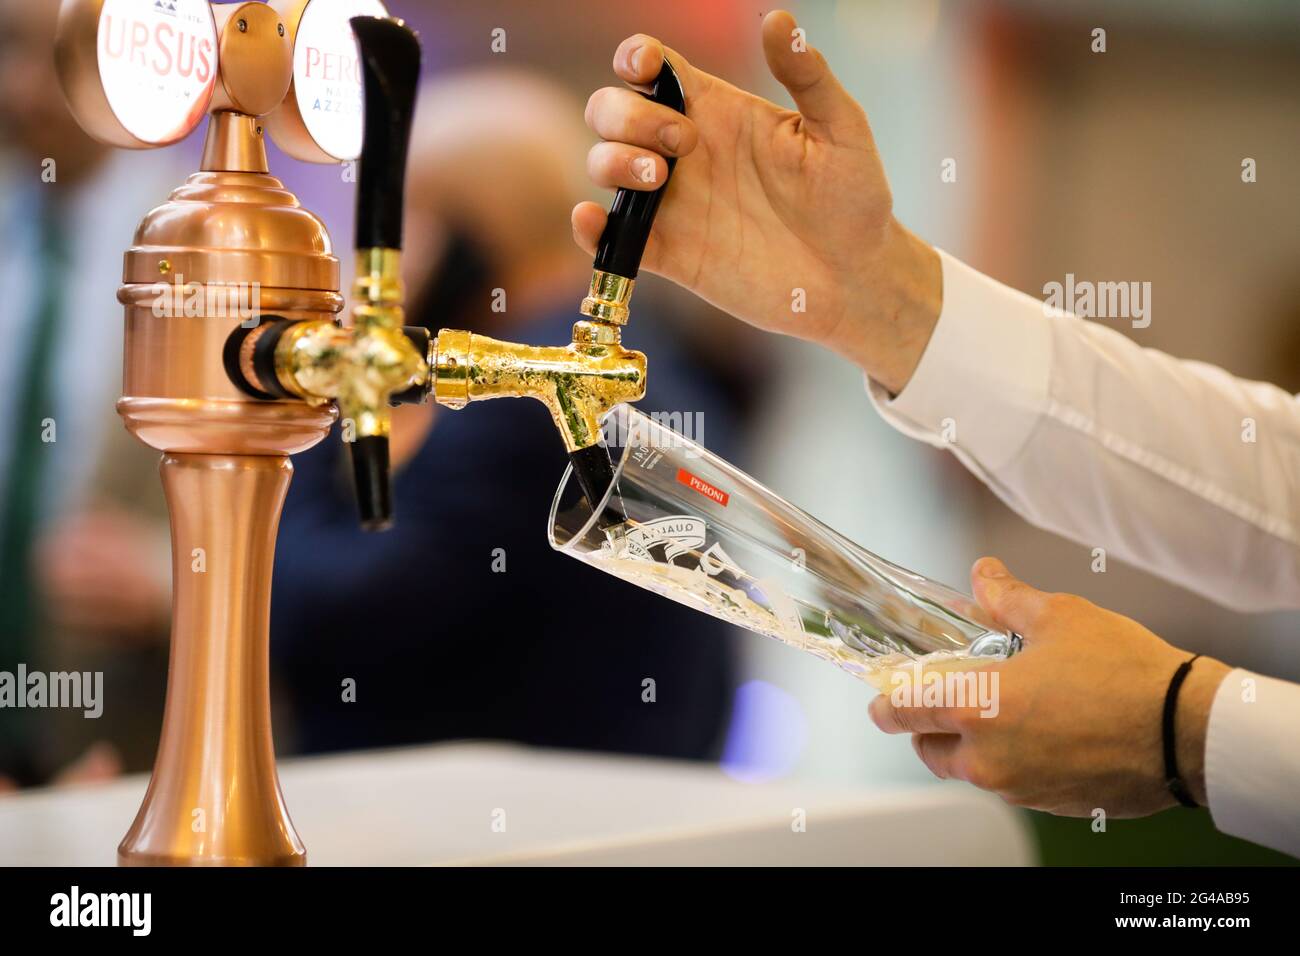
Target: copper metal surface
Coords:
[(228, 244), (256, 58), (214, 798), (234, 144), (218, 235), (225, 477)]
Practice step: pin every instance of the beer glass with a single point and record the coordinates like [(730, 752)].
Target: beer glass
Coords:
[(681, 522)]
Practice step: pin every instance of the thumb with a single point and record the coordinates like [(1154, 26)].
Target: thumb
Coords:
[(1012, 603), (803, 71)]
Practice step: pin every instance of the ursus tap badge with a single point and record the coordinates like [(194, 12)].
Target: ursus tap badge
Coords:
[(142, 74), (138, 73)]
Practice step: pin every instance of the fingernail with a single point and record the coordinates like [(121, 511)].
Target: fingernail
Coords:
[(634, 59), (643, 169), (671, 136), (993, 570)]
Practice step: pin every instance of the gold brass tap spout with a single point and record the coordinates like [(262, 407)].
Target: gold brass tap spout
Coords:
[(581, 382), (578, 382)]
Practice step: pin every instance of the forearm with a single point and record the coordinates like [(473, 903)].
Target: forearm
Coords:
[(1174, 466)]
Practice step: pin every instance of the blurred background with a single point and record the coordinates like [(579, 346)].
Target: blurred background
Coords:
[(1113, 166)]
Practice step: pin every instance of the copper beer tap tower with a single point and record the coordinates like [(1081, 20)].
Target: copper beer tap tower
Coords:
[(227, 398)]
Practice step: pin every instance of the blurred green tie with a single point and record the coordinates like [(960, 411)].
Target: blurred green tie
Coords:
[(30, 453)]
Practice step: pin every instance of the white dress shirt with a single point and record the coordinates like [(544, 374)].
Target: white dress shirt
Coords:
[(1174, 466)]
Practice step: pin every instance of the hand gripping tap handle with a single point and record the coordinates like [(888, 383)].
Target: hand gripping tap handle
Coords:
[(633, 212), (618, 258), (390, 67)]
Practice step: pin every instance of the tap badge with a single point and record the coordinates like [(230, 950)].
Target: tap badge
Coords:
[(157, 65), (327, 74)]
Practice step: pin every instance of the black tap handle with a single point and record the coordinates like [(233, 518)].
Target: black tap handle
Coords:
[(390, 72), (633, 212), (370, 472), (390, 66), (594, 469)]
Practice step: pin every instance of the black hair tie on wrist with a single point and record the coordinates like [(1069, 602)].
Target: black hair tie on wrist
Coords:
[(1172, 778)]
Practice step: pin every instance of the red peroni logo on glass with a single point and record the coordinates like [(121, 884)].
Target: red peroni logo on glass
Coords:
[(703, 487)]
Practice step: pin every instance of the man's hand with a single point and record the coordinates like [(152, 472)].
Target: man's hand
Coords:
[(765, 201), (1078, 723), (105, 573)]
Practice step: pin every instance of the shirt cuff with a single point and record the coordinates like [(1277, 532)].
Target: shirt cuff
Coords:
[(1252, 765), (982, 382)]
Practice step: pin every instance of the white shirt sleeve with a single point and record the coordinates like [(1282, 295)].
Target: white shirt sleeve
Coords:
[(1174, 466), (1252, 760)]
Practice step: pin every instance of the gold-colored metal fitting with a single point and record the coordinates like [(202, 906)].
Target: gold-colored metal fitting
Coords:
[(311, 360), (578, 383), (596, 333), (451, 368), (377, 290), (608, 297), (360, 367)]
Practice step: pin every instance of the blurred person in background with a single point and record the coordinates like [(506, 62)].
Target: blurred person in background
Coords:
[(460, 621), (1074, 426), (84, 568)]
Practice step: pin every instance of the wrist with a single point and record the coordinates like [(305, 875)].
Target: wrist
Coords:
[(891, 309), (1192, 721)]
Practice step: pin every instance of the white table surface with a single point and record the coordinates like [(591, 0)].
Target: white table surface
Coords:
[(436, 805)]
